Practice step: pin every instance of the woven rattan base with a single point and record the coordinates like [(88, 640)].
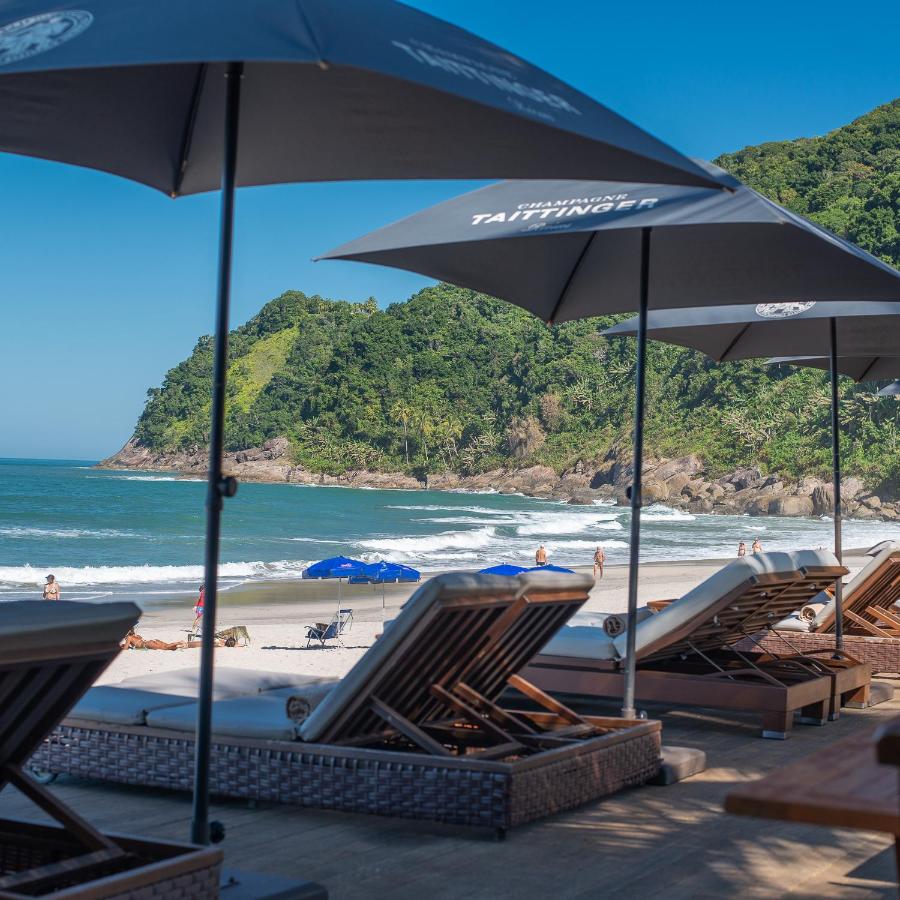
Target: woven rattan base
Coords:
[(455, 790), (883, 654), (147, 870)]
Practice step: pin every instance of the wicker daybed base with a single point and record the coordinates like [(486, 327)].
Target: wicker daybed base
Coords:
[(881, 653), (455, 790), (144, 870)]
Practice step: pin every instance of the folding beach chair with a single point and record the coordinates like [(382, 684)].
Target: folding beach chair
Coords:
[(687, 653), (50, 653), (331, 631), (419, 727)]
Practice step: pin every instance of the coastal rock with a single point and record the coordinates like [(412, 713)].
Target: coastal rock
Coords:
[(851, 488), (679, 482), (791, 506), (823, 500)]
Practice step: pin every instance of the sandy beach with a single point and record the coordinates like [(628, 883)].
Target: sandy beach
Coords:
[(275, 614)]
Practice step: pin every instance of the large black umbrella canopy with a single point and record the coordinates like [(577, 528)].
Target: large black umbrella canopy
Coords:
[(573, 249), (166, 93), (381, 91), (859, 368), (750, 331), (744, 332)]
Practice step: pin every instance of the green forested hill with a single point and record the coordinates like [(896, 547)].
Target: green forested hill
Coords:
[(453, 379)]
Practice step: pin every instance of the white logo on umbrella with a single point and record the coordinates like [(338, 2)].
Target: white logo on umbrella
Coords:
[(38, 34), (783, 310)]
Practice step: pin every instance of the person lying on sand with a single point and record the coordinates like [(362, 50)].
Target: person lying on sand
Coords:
[(137, 642)]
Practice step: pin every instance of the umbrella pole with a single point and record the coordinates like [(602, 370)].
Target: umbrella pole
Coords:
[(836, 477), (628, 710), (218, 487)]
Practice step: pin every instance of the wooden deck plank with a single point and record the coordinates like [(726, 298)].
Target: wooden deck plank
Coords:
[(673, 842)]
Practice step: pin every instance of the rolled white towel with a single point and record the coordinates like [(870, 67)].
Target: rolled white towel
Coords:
[(301, 703), (809, 612)]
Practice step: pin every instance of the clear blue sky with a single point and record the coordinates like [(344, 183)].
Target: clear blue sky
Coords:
[(106, 284)]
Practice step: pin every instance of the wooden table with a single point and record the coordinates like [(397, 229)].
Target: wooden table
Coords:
[(841, 786)]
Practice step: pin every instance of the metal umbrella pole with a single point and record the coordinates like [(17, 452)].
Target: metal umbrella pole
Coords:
[(628, 710), (836, 478), (218, 487)]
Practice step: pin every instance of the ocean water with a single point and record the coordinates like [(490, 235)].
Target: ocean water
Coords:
[(139, 535)]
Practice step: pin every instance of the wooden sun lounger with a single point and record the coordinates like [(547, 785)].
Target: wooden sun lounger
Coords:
[(417, 728), (697, 663), (51, 653), (871, 624)]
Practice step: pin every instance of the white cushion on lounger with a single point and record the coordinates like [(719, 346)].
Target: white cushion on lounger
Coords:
[(581, 642), (123, 706), (260, 717), (228, 682), (694, 606), (859, 579), (452, 585), (31, 624)]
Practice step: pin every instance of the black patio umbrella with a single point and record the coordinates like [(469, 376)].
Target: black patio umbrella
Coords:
[(859, 368), (164, 93), (572, 249), (892, 390), (748, 331)]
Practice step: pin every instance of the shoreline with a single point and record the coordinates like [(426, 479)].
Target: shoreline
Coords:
[(682, 483), (275, 614)]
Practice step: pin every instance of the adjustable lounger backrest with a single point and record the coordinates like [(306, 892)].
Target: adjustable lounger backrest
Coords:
[(50, 654), (742, 598), (876, 585), (476, 629)]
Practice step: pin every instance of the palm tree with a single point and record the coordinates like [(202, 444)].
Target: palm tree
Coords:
[(404, 415)]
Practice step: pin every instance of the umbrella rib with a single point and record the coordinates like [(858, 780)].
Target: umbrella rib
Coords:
[(730, 347), (571, 278), (868, 369), (188, 137)]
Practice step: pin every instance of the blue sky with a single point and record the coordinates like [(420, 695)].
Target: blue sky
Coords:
[(107, 284)]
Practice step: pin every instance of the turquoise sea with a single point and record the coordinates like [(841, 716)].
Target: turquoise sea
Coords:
[(114, 533)]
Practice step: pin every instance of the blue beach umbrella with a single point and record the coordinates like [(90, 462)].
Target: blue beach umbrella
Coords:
[(334, 567), (503, 569), (384, 571), (551, 568), (339, 567), (188, 96)]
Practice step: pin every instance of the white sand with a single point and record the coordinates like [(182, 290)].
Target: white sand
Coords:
[(275, 614)]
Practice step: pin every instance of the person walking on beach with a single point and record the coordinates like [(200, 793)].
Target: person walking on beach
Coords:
[(540, 557), (198, 609), (742, 549), (756, 546), (599, 559), (51, 588)]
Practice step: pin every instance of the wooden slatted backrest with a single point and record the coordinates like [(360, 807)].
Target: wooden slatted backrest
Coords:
[(479, 631), (879, 588), (757, 602), (50, 654)]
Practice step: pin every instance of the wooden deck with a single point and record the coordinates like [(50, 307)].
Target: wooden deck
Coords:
[(668, 842)]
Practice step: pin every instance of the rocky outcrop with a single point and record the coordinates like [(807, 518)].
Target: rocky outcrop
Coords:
[(682, 482)]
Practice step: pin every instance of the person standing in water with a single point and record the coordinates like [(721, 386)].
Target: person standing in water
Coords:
[(599, 559), (742, 549), (540, 557), (51, 588), (198, 609), (756, 546)]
